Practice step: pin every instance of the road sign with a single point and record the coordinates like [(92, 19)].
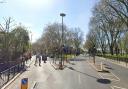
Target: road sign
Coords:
[(24, 83)]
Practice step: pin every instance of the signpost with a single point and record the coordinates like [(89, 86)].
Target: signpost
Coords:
[(24, 83)]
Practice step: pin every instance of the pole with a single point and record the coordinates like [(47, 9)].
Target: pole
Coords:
[(62, 42), (31, 47), (62, 14)]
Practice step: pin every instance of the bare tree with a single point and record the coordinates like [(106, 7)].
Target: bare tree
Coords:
[(107, 25)]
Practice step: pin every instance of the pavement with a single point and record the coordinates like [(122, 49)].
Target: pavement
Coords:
[(27, 65), (78, 74)]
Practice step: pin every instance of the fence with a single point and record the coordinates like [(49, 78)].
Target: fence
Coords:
[(118, 59), (8, 74)]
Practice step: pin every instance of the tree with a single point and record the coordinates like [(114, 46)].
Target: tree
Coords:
[(20, 40), (5, 32), (77, 38), (120, 7), (51, 39), (90, 40), (14, 41), (107, 25)]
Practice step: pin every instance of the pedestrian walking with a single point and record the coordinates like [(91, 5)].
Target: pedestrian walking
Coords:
[(44, 58), (94, 53), (38, 59)]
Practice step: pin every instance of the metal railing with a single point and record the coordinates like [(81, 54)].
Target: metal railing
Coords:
[(7, 75), (117, 59)]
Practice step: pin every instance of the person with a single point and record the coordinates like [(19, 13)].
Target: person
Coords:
[(25, 57), (38, 59), (89, 52), (30, 55), (44, 58), (94, 53)]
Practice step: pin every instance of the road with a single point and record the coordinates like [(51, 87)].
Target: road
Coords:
[(79, 74), (119, 71)]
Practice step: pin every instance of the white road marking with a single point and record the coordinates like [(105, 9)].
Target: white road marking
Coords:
[(92, 65), (108, 74), (112, 79), (113, 87), (101, 76), (33, 85), (116, 76), (79, 79)]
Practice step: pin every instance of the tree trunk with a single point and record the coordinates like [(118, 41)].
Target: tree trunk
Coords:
[(111, 50)]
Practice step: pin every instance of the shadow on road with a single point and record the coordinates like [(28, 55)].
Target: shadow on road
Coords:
[(77, 59), (72, 63), (108, 66), (82, 72), (103, 81)]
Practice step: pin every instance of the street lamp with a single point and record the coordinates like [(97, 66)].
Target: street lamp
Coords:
[(30, 54), (62, 15)]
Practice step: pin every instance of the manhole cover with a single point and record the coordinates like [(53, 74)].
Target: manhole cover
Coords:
[(104, 81)]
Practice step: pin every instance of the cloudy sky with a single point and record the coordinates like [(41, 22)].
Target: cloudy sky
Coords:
[(36, 14)]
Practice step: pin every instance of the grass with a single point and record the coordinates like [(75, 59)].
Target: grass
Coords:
[(69, 56)]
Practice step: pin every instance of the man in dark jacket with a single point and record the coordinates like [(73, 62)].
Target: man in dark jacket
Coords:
[(38, 59), (94, 53), (44, 58)]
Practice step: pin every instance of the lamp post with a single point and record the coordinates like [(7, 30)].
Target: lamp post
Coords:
[(62, 15), (30, 54)]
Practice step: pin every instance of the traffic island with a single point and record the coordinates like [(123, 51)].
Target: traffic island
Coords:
[(57, 66), (104, 71), (98, 67), (101, 68)]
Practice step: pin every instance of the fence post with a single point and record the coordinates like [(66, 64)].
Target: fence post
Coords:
[(14, 71), (126, 61), (8, 75)]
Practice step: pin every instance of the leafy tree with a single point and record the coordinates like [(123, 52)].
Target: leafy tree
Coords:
[(20, 40)]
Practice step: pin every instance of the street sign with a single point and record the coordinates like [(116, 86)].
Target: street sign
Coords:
[(24, 83)]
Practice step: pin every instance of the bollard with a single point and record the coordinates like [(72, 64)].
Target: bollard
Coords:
[(24, 83), (60, 66), (101, 64)]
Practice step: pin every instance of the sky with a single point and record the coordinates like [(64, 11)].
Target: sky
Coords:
[(36, 14)]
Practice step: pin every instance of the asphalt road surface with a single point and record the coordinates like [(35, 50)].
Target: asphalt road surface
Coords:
[(119, 71), (79, 74)]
